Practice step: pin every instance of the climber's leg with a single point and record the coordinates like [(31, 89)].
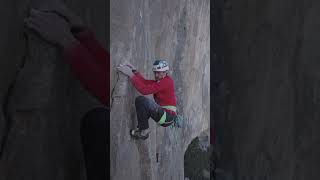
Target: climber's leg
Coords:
[(147, 108), (94, 129)]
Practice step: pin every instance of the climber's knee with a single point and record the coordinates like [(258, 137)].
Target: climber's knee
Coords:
[(140, 100)]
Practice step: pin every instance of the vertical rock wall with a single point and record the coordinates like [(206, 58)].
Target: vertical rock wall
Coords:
[(177, 30), (42, 102), (273, 59)]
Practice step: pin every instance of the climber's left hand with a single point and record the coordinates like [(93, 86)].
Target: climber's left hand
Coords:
[(127, 63), (125, 70)]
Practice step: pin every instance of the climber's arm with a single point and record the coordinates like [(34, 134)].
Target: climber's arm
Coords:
[(147, 88), (88, 40), (145, 81), (93, 76), (100, 56), (92, 70), (137, 73)]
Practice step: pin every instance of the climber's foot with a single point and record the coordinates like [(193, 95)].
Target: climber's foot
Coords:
[(139, 134)]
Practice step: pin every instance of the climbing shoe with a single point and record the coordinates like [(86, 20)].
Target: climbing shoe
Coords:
[(140, 134)]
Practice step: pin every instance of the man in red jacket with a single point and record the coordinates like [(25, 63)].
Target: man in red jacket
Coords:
[(163, 109), (91, 65)]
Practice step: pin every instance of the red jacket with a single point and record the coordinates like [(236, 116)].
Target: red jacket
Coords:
[(162, 90), (91, 65)]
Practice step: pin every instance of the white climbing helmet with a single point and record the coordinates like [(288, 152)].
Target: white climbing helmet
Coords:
[(160, 66)]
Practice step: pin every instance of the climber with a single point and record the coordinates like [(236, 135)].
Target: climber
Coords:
[(90, 64), (163, 109)]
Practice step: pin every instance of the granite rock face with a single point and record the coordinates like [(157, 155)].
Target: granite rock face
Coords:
[(42, 102), (196, 159), (271, 131), (177, 30)]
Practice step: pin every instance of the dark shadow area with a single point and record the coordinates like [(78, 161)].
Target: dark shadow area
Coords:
[(221, 140), (43, 96)]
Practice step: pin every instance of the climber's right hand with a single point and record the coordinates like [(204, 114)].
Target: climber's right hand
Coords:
[(125, 70), (127, 63), (51, 27)]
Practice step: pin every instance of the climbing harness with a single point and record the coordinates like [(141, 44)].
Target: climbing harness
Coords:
[(172, 108), (163, 119), (177, 120)]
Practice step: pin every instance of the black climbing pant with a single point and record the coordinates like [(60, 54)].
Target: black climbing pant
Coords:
[(94, 136), (147, 108)]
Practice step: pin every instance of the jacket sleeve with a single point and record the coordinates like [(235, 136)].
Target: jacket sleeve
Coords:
[(88, 40), (145, 81), (147, 88), (91, 68)]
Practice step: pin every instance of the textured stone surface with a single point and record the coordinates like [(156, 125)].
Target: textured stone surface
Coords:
[(273, 113), (141, 31), (196, 159), (40, 118)]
